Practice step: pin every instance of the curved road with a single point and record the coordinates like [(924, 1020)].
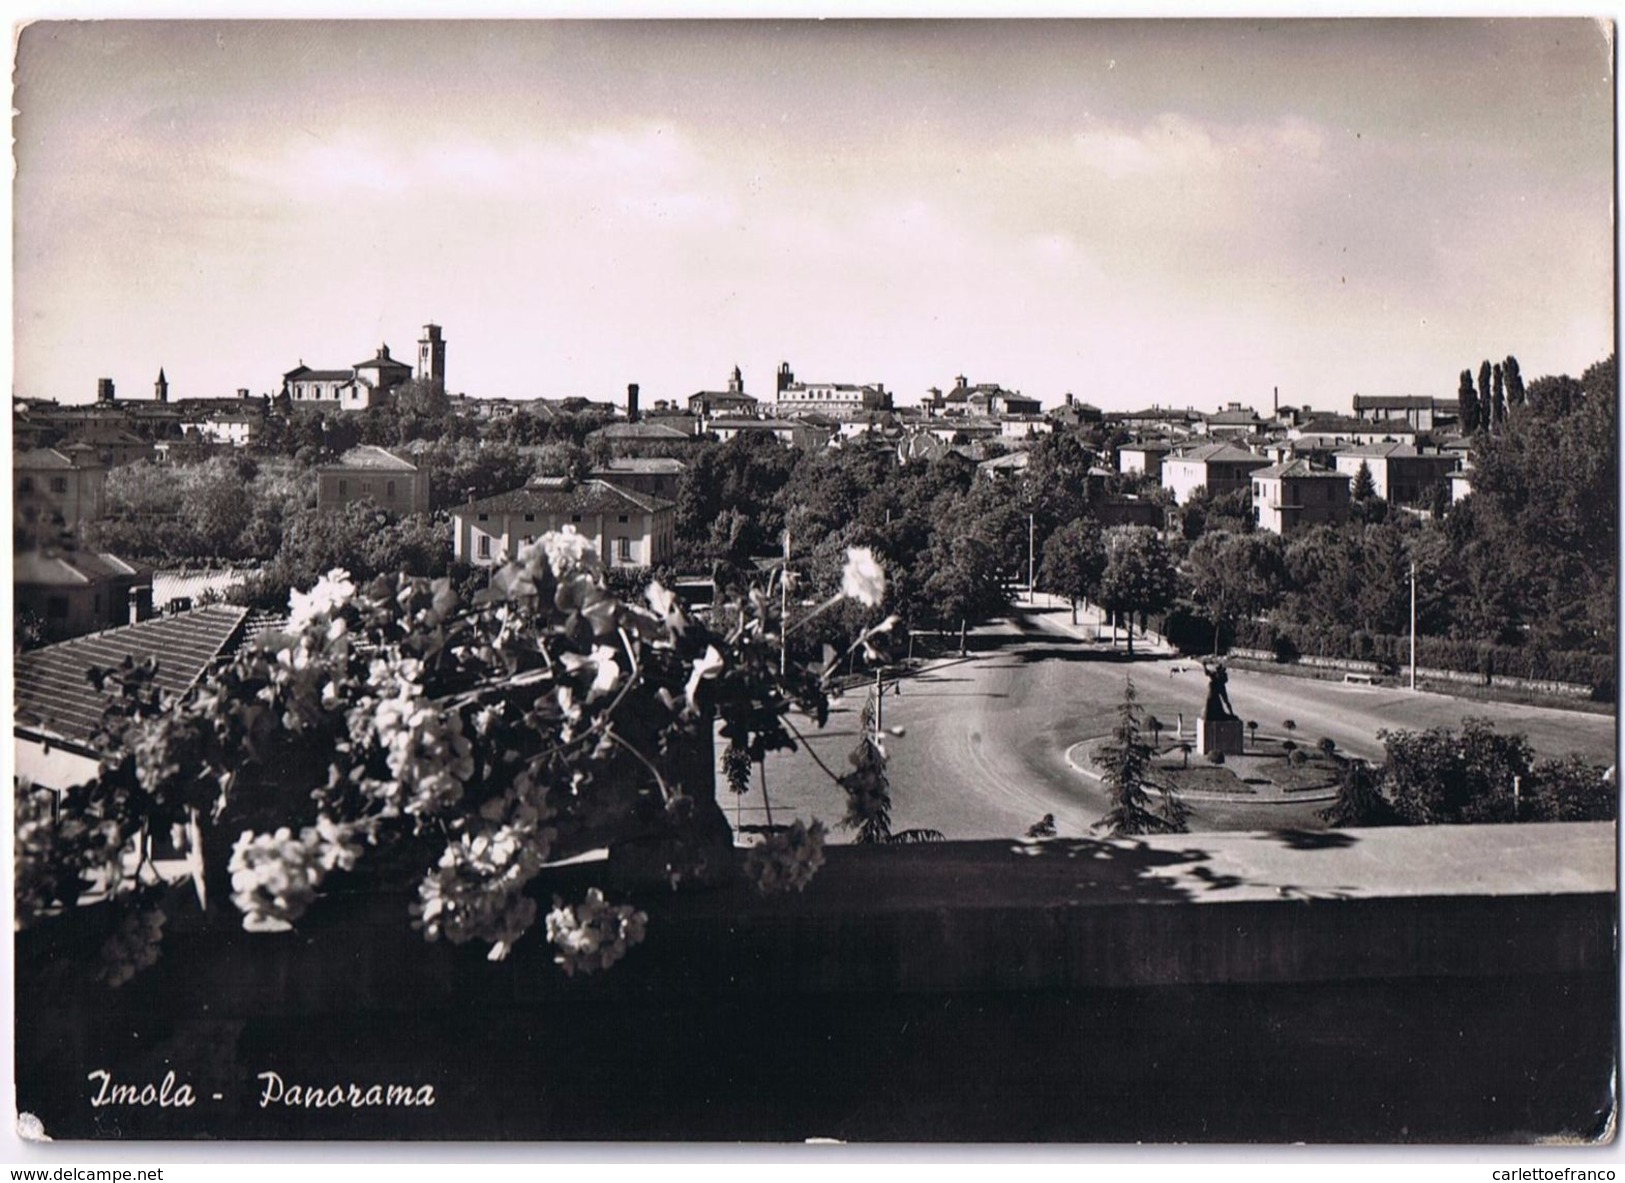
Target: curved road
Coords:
[(982, 754)]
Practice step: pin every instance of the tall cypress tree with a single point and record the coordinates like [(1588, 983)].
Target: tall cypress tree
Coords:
[(1485, 400), (1514, 378), (1467, 404), (1499, 406), (1365, 487)]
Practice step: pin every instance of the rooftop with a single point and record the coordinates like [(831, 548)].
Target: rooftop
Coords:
[(1217, 453), (590, 496), (41, 460), (643, 464), (54, 691), (1299, 469), (638, 431), (68, 568), (370, 458)]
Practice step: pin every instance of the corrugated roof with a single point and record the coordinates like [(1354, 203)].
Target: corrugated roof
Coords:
[(590, 496), (53, 691)]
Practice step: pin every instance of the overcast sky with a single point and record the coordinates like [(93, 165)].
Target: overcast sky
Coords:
[(1137, 212)]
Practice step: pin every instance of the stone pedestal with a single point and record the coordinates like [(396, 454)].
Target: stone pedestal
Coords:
[(1219, 735)]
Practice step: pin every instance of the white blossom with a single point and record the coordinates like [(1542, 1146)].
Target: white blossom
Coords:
[(863, 580)]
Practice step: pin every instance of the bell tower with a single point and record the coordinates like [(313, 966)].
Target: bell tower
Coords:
[(160, 388), (432, 355)]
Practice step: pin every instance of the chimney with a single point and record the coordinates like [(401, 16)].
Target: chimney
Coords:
[(1069, 398), (1277, 399), (631, 402), (140, 604), (104, 390), (242, 392)]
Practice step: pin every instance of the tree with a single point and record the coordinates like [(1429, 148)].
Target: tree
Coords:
[(1514, 382), (1359, 802), (1074, 561), (1236, 576), (1126, 767), (1364, 487), (1486, 402), (1139, 575), (1252, 731), (1498, 403), (963, 585), (1467, 404), (1438, 777)]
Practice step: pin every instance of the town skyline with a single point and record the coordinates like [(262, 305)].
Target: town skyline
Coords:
[(1059, 206)]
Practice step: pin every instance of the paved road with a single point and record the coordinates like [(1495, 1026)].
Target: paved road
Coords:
[(982, 754)]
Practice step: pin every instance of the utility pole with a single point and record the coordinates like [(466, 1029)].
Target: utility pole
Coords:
[(1413, 624), (784, 604)]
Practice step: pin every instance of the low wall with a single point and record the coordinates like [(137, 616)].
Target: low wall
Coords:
[(1460, 677), (1379, 985)]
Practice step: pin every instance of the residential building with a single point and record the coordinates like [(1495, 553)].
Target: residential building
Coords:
[(369, 473), (1219, 468), (54, 491), (1289, 497), (1335, 431), (1400, 473), (1419, 411), (110, 443), (790, 394), (235, 428), (1143, 458), (72, 592), (628, 529), (653, 476), (794, 433), (1231, 420), (643, 438)]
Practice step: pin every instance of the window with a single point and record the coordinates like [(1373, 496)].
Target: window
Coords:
[(389, 490), (366, 488), (483, 546), (623, 519), (26, 485), (530, 517), (624, 549), (482, 517), (344, 488), (59, 484), (575, 517)]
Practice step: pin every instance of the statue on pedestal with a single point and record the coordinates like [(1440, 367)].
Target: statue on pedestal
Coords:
[(1218, 698)]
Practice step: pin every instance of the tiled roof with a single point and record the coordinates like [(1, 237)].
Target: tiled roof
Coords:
[(54, 693), (1393, 402), (371, 458), (590, 496), (306, 374), (1297, 469), (645, 431), (1221, 453), (41, 460), (79, 568), (1383, 450), (1228, 418)]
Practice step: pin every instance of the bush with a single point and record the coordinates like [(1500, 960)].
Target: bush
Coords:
[(1297, 758), (1327, 744), (1215, 757)]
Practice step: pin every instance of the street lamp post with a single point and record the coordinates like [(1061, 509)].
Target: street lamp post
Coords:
[(1032, 594), (1413, 624)]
